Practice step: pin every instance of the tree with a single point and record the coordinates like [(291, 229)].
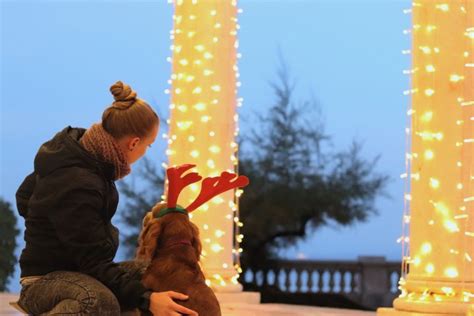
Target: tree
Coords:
[(7, 243), (296, 184), (139, 202)]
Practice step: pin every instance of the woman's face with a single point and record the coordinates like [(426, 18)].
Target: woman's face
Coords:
[(135, 147)]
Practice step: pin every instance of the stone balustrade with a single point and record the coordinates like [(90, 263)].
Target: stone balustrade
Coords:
[(370, 282)]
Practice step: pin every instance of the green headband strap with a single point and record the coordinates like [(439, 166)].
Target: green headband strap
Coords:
[(171, 210)]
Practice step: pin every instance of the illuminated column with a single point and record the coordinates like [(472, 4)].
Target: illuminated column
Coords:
[(203, 124), (440, 279)]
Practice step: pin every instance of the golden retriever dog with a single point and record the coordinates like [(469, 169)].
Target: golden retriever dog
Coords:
[(170, 241)]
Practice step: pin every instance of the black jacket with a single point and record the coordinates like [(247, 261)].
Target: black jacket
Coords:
[(68, 202)]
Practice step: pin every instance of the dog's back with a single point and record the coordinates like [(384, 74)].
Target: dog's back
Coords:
[(161, 277)]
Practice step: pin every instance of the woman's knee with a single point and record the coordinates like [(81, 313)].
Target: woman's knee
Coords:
[(69, 292)]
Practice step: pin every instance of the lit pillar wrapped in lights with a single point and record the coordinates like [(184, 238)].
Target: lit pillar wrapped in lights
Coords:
[(203, 123), (440, 279)]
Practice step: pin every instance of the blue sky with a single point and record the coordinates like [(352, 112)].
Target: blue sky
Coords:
[(58, 59)]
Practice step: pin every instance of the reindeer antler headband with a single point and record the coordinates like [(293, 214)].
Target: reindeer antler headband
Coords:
[(210, 187)]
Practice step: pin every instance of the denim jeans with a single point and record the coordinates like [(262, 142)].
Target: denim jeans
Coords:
[(74, 293)]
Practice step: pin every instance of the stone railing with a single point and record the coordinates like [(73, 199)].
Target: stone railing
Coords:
[(370, 282)]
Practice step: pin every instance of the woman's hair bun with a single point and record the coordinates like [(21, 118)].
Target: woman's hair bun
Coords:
[(124, 95)]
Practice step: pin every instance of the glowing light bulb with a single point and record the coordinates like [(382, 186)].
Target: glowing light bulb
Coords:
[(430, 268), (219, 233), (425, 49), (429, 92), (443, 7), (430, 68), (214, 149), (451, 272), (211, 164), (434, 183), (455, 78), (442, 208), (428, 154), (205, 118), (184, 125), (216, 248), (416, 261), (199, 48), (448, 291), (470, 32), (426, 248), (194, 187), (451, 226), (199, 106)]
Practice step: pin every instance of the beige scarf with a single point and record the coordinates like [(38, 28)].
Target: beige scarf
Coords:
[(103, 146)]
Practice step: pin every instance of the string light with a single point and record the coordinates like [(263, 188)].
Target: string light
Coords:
[(201, 96), (439, 194)]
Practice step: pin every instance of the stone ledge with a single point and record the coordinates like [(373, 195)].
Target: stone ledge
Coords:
[(238, 297)]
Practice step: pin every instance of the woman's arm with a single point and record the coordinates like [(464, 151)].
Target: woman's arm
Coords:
[(80, 225), (24, 192)]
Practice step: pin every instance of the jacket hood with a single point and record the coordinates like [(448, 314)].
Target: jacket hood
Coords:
[(64, 151)]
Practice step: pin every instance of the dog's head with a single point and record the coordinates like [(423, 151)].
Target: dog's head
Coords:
[(160, 230), (157, 233)]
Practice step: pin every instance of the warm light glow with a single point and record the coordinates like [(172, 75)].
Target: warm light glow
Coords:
[(426, 248), (439, 191), (451, 272), (430, 68), (202, 123), (451, 226), (430, 268), (429, 154), (427, 116), (434, 183)]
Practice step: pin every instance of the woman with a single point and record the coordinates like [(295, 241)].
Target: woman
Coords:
[(68, 202)]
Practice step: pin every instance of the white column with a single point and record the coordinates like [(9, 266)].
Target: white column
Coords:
[(203, 123), (441, 272)]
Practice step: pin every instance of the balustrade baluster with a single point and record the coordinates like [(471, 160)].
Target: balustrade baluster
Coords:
[(287, 280), (331, 280), (309, 282), (320, 281), (298, 279), (343, 282)]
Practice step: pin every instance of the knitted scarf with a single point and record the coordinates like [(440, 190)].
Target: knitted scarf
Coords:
[(103, 146)]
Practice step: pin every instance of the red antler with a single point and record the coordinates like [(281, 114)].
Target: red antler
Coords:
[(216, 185), (176, 183)]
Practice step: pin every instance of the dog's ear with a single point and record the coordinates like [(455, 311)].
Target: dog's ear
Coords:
[(149, 239), (158, 207), (147, 219), (196, 241), (145, 225)]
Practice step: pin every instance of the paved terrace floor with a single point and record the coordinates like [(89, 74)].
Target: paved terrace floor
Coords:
[(230, 309)]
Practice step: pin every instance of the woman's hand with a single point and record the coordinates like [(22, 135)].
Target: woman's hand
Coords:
[(162, 304)]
